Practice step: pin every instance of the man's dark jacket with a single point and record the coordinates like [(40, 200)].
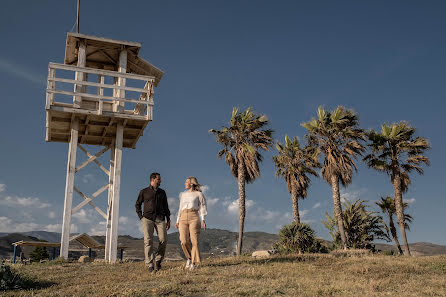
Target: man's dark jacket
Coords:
[(155, 204)]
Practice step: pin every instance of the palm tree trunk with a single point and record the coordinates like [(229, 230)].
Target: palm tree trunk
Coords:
[(241, 207), (295, 202), (400, 210), (393, 231), (338, 208)]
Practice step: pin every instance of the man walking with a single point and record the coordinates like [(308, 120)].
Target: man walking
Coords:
[(155, 215)]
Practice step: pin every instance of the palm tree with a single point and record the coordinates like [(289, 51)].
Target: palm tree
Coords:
[(294, 164), (361, 225), (387, 205), (241, 141), (397, 153), (337, 136)]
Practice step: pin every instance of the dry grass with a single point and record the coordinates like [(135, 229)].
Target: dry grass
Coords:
[(305, 275)]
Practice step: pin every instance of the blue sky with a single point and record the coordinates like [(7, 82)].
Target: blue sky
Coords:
[(383, 59)]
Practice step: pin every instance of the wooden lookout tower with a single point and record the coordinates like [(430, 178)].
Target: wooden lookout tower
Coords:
[(102, 95)]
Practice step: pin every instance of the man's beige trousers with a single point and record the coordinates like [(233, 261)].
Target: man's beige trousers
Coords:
[(147, 227), (190, 227)]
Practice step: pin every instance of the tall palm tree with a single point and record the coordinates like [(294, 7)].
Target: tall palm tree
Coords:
[(241, 141), (387, 205), (338, 137), (294, 164), (397, 153)]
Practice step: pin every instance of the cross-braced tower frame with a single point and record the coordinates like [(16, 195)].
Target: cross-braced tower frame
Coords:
[(94, 99)]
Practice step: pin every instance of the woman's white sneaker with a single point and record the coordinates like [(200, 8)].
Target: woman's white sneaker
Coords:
[(191, 267), (188, 264)]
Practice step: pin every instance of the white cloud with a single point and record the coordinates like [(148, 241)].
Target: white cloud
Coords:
[(53, 228), (23, 202), (21, 72), (317, 205), (302, 213), (123, 220), (351, 195), (233, 206), (51, 215), (410, 200), (98, 229), (204, 189), (2, 187), (82, 216), (212, 201), (87, 178)]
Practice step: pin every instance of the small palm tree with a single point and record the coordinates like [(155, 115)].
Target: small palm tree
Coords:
[(397, 153), (387, 205), (361, 225), (294, 164), (241, 141), (337, 136)]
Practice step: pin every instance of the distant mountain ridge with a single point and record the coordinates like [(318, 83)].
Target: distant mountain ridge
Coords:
[(213, 242)]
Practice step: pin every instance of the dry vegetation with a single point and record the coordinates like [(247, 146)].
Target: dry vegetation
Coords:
[(306, 275)]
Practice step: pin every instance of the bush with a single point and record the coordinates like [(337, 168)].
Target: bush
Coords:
[(296, 237), (361, 226), (8, 279), (38, 254)]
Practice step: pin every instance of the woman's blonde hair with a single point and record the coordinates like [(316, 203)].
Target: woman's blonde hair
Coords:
[(194, 183)]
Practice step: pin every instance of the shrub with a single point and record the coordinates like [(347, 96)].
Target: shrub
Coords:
[(8, 279), (361, 226), (296, 237), (39, 253)]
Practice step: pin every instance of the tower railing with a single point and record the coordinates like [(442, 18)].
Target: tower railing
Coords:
[(99, 103)]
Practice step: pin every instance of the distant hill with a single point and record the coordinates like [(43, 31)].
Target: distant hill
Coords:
[(213, 243)]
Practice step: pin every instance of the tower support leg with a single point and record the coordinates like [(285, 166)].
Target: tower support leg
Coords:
[(113, 247), (110, 196), (69, 184)]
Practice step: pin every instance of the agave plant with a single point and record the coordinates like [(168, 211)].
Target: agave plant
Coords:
[(295, 237)]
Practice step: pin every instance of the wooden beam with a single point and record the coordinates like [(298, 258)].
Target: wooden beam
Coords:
[(80, 76), (69, 185), (92, 158), (108, 56), (91, 203), (88, 199), (115, 199), (98, 85), (101, 71), (110, 198), (118, 106)]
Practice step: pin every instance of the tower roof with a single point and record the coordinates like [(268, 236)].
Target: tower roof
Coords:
[(103, 53)]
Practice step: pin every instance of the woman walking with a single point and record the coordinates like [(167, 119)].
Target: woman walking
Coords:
[(189, 223)]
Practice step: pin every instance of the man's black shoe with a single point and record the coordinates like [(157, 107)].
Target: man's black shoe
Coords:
[(158, 265), (150, 268)]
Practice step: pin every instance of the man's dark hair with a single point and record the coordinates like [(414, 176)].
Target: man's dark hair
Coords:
[(153, 175)]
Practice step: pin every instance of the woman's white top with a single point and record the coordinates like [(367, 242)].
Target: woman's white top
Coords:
[(192, 200)]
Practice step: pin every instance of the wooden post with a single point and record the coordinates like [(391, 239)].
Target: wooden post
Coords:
[(119, 106), (15, 254), (69, 185), (100, 92), (81, 62), (115, 199), (110, 199)]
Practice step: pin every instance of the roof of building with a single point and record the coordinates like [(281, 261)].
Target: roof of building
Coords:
[(104, 53)]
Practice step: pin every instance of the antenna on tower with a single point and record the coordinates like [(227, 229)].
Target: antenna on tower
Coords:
[(77, 19)]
